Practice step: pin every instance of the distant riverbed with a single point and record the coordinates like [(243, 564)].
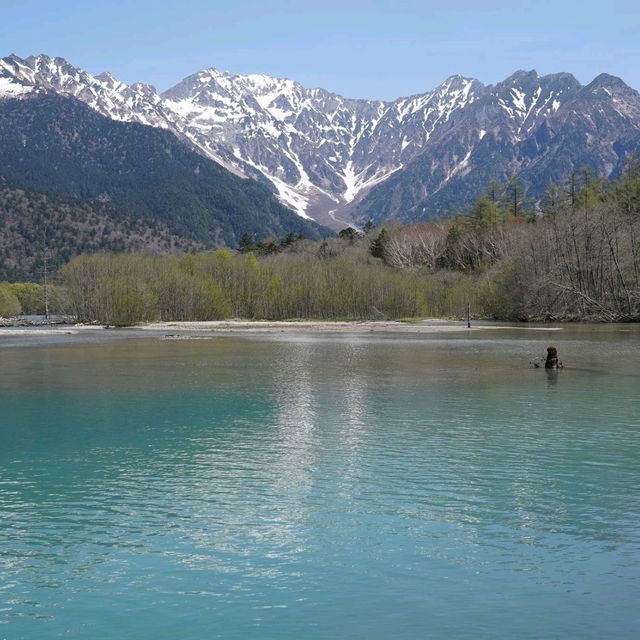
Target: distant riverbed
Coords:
[(191, 330)]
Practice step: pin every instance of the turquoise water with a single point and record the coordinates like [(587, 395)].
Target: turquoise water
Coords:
[(316, 486)]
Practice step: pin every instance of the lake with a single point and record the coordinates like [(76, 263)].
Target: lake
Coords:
[(321, 486)]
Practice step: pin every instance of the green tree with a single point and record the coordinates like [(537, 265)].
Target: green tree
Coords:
[(9, 303), (514, 198), (288, 240), (378, 244), (246, 243), (30, 295), (350, 234)]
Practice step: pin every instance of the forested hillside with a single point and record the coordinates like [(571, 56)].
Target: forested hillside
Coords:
[(60, 145), (575, 256), (32, 222)]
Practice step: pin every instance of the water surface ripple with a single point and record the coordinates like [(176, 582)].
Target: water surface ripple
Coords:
[(300, 486)]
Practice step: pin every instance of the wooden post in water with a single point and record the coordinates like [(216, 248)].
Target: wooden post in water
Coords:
[(46, 279), (468, 315)]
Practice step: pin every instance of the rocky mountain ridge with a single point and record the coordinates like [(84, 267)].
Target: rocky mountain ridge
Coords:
[(340, 160)]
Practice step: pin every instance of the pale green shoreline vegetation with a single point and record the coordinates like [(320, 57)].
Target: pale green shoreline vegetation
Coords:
[(574, 256), (125, 289)]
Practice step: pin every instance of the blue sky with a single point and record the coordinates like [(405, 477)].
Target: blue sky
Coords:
[(375, 49)]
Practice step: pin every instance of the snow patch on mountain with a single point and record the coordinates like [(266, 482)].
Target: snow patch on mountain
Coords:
[(9, 88)]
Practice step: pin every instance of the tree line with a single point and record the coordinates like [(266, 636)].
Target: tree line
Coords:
[(574, 255), (29, 298), (313, 282)]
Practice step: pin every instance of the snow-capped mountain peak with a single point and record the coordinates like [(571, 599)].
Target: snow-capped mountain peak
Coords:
[(316, 147), (321, 152)]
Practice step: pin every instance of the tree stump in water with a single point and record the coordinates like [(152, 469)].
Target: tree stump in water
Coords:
[(552, 358)]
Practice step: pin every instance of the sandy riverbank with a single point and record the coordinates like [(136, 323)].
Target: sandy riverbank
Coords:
[(37, 331), (225, 326), (312, 326), (187, 329)]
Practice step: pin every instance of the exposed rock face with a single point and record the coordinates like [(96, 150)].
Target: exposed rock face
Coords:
[(321, 151)]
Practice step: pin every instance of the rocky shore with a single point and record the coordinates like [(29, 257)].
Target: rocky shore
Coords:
[(35, 321)]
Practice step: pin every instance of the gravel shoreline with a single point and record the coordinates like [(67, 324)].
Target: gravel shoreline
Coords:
[(318, 326), (224, 326), (173, 329)]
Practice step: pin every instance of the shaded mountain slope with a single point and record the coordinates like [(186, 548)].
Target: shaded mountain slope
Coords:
[(61, 145)]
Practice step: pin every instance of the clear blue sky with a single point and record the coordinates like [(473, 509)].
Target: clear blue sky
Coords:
[(373, 49)]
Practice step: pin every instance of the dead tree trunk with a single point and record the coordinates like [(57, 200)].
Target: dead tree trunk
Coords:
[(552, 358)]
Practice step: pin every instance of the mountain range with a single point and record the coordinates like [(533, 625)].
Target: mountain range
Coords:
[(337, 160)]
